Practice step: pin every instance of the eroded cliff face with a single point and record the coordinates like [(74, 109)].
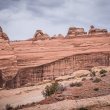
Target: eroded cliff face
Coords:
[(23, 62), (65, 66)]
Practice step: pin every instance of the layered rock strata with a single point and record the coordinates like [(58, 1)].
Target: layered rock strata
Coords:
[(94, 31), (64, 66), (75, 32), (22, 62)]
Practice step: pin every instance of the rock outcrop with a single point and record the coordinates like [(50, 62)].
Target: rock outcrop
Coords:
[(75, 32), (59, 36), (3, 35), (39, 35), (22, 62), (94, 30)]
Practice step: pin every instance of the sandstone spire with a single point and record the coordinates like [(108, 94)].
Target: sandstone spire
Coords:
[(3, 35)]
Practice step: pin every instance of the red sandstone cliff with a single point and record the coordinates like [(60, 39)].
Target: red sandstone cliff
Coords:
[(23, 62)]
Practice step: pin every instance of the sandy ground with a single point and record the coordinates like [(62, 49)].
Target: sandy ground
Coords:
[(21, 96)]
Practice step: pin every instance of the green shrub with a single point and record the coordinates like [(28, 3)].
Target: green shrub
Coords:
[(77, 84), (53, 88), (103, 71)]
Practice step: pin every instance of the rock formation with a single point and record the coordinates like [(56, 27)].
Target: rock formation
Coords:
[(59, 36), (3, 35), (94, 30), (22, 63), (65, 66), (74, 32), (39, 35)]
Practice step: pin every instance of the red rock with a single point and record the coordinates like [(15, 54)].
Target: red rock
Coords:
[(3, 35), (21, 62), (94, 30), (39, 35), (74, 32)]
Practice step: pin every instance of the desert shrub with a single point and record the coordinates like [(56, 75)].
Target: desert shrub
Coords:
[(96, 80), (18, 107), (9, 107), (53, 88), (82, 108), (103, 71), (83, 79), (77, 84), (96, 89)]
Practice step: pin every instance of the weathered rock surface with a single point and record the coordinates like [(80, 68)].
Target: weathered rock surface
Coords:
[(25, 62), (39, 35), (3, 35), (95, 103), (94, 30), (75, 32)]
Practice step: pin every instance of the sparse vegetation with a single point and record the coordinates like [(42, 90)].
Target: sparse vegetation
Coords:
[(96, 80), (103, 71), (9, 107), (76, 96), (96, 89), (77, 84), (83, 79), (53, 88), (82, 108), (93, 73)]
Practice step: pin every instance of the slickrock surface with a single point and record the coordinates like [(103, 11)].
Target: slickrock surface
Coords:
[(95, 103)]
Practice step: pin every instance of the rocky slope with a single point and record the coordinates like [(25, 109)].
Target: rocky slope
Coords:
[(89, 94)]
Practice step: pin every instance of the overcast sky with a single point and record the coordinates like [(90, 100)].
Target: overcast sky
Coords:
[(21, 18)]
